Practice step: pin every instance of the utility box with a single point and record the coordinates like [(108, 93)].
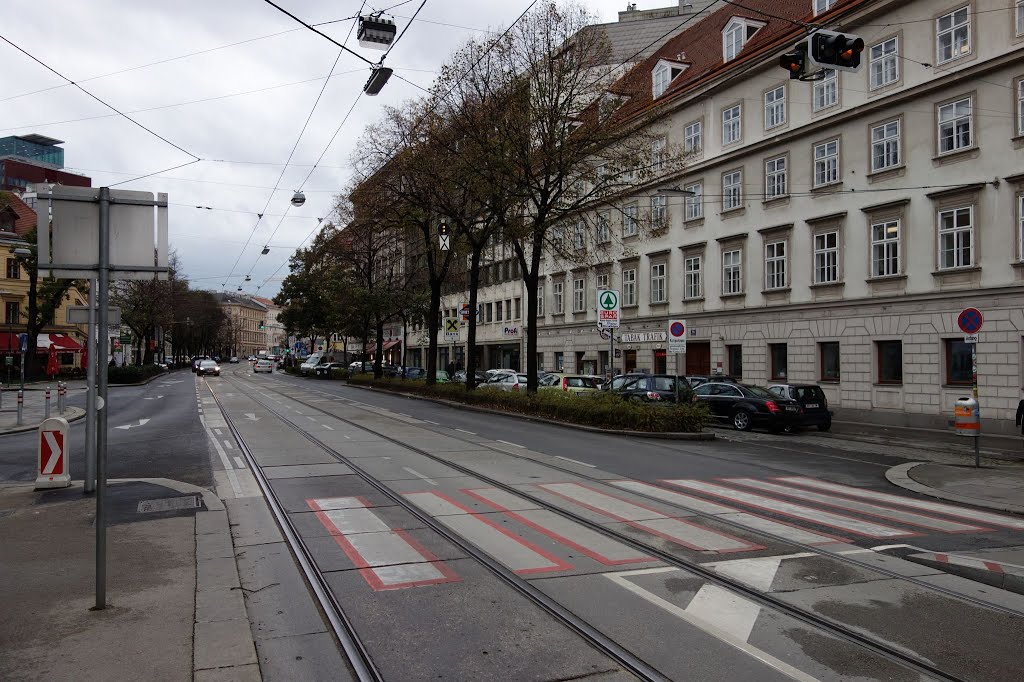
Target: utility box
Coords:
[(967, 417)]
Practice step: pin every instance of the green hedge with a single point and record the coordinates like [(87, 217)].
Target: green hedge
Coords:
[(339, 374), (604, 410), (132, 374)]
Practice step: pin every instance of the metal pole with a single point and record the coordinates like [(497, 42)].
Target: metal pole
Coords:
[(974, 392), (46, 404), (90, 395), (21, 405), (103, 296)]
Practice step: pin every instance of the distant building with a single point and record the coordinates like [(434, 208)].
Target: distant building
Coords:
[(277, 337), (30, 159), (243, 337)]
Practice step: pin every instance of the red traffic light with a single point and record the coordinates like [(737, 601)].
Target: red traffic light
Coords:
[(795, 62), (837, 51), (444, 230)]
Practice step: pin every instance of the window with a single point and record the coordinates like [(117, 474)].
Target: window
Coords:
[(822, 6), (540, 301), (956, 237), (558, 302), (955, 126), (775, 177), (959, 365), (1020, 17), (659, 283), (890, 362), (692, 137), (629, 220), (732, 273), (885, 146), (12, 314), (559, 361), (519, 308), (1020, 223), (732, 40), (490, 312), (826, 258), (826, 163), (579, 232), (629, 286), (658, 152), (734, 360), (602, 281), (883, 60), (660, 78), (953, 35), (775, 265), (508, 309), (497, 311), (828, 352), (1020, 100), (604, 234), (659, 211), (13, 268), (691, 277), (694, 201), (732, 190), (777, 356), (579, 295), (826, 90), (775, 107), (885, 248), (731, 129)]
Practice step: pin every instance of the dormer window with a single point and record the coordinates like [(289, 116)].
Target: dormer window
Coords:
[(663, 74), (736, 34)]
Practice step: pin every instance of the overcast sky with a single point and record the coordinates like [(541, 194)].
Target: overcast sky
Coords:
[(84, 40)]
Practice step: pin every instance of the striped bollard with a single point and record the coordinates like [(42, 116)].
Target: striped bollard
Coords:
[(62, 392), (21, 404), (47, 403)]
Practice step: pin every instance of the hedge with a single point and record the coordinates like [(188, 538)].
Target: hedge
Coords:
[(339, 374), (132, 374), (603, 410)]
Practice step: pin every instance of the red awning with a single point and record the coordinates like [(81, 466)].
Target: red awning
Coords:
[(62, 342), (9, 343), (391, 344)]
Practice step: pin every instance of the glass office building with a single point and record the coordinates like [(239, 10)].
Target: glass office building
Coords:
[(38, 148)]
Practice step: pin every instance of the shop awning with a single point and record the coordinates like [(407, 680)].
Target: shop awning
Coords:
[(62, 342), (9, 342), (391, 344)]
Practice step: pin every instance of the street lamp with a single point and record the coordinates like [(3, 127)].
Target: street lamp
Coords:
[(24, 253)]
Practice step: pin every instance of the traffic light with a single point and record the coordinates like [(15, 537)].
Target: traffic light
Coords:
[(795, 62), (838, 51), (261, 325), (444, 229)]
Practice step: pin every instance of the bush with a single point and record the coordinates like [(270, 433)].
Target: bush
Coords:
[(603, 410), (339, 374), (132, 374), (292, 370)]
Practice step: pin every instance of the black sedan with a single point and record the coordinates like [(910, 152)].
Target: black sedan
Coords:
[(813, 403), (324, 370), (208, 368), (746, 406), (653, 388)]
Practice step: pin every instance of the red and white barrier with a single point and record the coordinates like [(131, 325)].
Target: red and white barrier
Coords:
[(54, 466)]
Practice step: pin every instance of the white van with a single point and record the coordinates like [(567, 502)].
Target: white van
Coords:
[(309, 363)]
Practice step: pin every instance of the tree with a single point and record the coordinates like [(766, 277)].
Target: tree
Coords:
[(144, 307), (309, 294)]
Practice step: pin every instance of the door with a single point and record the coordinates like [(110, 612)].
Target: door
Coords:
[(660, 361), (629, 360), (698, 358)]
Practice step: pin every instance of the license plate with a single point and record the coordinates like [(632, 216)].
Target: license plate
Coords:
[(791, 408), (811, 406)]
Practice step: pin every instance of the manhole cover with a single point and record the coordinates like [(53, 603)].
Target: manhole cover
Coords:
[(168, 504)]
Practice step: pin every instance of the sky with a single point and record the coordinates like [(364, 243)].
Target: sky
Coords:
[(240, 106)]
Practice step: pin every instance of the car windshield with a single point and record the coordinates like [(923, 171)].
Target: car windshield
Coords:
[(208, 363), (664, 383), (580, 382), (441, 374), (759, 392)]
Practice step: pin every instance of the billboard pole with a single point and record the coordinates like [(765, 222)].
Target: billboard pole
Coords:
[(90, 394), (103, 300)]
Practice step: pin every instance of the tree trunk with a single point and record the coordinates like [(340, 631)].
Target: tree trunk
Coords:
[(530, 279), (474, 285), (432, 329), (378, 358)]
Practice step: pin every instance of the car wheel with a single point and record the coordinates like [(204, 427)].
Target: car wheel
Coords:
[(741, 420), (825, 427)]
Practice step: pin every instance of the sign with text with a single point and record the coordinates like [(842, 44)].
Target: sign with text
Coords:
[(451, 328), (677, 336), (608, 311), (642, 337), (510, 332)]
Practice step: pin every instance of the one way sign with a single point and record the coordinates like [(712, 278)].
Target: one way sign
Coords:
[(54, 471)]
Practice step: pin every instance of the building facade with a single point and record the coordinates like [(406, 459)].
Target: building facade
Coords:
[(29, 159), (277, 337), (830, 231), (243, 336)]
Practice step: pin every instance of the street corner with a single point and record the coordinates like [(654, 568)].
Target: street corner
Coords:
[(1000, 488)]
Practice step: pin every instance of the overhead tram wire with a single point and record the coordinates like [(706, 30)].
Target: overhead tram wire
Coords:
[(101, 101), (320, 33)]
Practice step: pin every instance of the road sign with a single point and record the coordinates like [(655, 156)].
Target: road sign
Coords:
[(446, 242), (23, 342), (54, 470), (451, 328), (970, 338), (79, 314), (464, 312), (608, 308), (606, 334), (117, 344), (677, 336), (970, 320)]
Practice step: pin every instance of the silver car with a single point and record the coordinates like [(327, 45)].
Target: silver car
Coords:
[(507, 382)]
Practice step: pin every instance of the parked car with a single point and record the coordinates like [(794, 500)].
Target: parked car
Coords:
[(263, 365), (491, 373), (441, 377), (507, 382), (619, 380), (197, 360), (746, 406), (324, 369), (460, 377), (696, 380), (813, 403), (310, 363), (654, 388), (358, 367), (571, 383), (412, 373), (233, 360), (208, 368)]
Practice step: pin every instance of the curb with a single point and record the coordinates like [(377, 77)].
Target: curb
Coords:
[(32, 427), (664, 435), (900, 477)]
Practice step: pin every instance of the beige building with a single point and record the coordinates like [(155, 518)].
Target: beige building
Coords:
[(835, 227), (243, 336), (277, 337)]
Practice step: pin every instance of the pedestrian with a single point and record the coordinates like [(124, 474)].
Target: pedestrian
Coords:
[(451, 368), (1020, 415)]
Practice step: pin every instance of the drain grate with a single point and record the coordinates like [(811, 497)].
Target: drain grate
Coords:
[(167, 504)]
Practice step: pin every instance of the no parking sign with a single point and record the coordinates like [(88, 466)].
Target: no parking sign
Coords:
[(677, 336)]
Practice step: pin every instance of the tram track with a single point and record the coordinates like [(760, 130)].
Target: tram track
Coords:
[(809, 618)]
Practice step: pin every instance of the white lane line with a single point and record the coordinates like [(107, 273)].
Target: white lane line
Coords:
[(217, 431), (228, 470), (348, 437), (419, 475), (312, 419), (515, 445), (574, 461), (465, 431), (228, 445), (239, 462), (329, 428), (430, 422)]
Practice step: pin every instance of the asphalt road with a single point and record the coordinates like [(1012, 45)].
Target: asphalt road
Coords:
[(170, 444)]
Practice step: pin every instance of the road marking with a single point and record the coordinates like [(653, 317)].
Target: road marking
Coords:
[(465, 431), (681, 532), (229, 472), (430, 422), (142, 422), (574, 461), (228, 445), (348, 437), (730, 614), (746, 519), (865, 508), (239, 462), (217, 431), (817, 516), (595, 545), (515, 445), (945, 509), (312, 419), (387, 559), (419, 475), (329, 428), (516, 553)]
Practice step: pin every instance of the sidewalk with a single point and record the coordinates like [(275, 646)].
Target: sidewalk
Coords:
[(992, 487), (175, 610), (34, 410)]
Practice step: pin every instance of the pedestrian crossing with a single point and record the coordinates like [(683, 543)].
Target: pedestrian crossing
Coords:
[(689, 517)]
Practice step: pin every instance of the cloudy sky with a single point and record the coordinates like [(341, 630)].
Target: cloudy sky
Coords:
[(231, 82)]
